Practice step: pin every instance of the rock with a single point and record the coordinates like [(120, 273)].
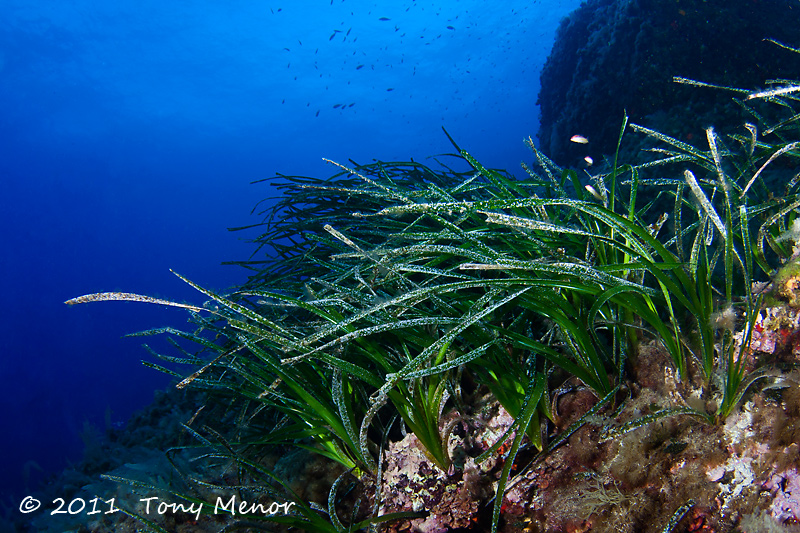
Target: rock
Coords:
[(613, 56)]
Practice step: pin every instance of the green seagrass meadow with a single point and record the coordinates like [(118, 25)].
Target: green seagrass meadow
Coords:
[(380, 299)]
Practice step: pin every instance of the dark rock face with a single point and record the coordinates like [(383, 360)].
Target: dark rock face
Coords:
[(613, 56)]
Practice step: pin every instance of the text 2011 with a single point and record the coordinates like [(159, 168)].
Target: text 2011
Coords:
[(79, 505)]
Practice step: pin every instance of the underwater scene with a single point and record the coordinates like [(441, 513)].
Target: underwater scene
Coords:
[(405, 267)]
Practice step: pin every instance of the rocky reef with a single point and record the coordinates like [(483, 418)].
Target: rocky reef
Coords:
[(616, 56)]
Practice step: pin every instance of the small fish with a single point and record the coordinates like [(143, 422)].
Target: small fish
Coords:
[(390, 89), (580, 139), (359, 67), (589, 161), (336, 105), (384, 18), (594, 192), (450, 28), (317, 113), (654, 228), (351, 105)]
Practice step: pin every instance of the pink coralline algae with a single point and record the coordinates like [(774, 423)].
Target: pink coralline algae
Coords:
[(775, 334), (786, 488)]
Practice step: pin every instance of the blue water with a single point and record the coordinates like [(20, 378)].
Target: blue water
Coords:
[(130, 132)]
